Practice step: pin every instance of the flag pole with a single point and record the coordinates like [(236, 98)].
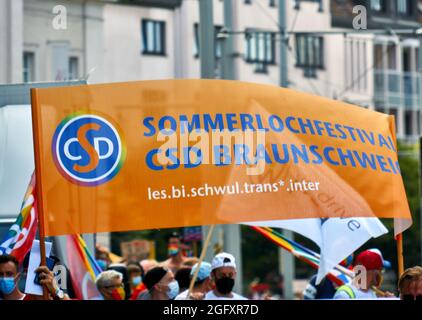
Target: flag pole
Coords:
[(400, 258), (38, 187), (201, 259)]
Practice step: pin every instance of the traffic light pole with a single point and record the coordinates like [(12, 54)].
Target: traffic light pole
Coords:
[(286, 259), (420, 148), (207, 61), (232, 232)]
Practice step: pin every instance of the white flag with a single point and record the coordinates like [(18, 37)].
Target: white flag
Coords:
[(337, 238), (401, 225)]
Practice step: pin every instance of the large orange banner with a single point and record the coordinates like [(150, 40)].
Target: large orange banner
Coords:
[(172, 153)]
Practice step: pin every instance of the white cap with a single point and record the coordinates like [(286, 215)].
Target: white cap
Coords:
[(223, 260)]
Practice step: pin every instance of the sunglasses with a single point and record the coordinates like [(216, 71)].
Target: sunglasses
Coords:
[(410, 297)]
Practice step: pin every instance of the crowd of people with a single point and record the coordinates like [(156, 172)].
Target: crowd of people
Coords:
[(215, 280), (171, 279)]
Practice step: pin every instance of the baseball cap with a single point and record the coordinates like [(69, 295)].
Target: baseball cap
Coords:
[(223, 260), (386, 263), (370, 260), (204, 271)]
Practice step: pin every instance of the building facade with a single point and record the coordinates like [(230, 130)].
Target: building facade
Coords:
[(11, 24), (392, 68)]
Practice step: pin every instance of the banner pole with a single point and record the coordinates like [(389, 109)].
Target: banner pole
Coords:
[(201, 258), (38, 187), (400, 258)]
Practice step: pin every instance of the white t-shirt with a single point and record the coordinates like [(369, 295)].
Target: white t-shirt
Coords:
[(359, 294), (211, 296)]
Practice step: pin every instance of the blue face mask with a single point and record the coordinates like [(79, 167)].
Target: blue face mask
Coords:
[(173, 290), (7, 285), (102, 264), (136, 280)]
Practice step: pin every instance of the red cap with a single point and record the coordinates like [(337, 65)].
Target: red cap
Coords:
[(370, 260), (260, 287)]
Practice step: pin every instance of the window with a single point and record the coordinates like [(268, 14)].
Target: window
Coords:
[(260, 49), (28, 67), (408, 127), (379, 5), (392, 56), (309, 53), (404, 7), (386, 56), (153, 37), (356, 64), (217, 43), (73, 68), (407, 59), (379, 57)]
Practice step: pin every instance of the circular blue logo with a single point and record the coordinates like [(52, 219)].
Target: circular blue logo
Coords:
[(87, 149)]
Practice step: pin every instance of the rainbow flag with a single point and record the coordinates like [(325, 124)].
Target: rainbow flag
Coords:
[(84, 270), (339, 275), (18, 240)]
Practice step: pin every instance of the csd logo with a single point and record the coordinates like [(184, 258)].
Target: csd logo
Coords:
[(87, 149)]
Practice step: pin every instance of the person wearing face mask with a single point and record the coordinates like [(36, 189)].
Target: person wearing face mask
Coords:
[(110, 284), (373, 264), (223, 271), (176, 258), (9, 277), (160, 284), (102, 257), (122, 268), (134, 273), (145, 265)]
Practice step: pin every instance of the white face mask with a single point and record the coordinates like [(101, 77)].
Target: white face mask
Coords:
[(173, 290)]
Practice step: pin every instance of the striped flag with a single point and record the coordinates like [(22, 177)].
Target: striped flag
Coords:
[(337, 238), (18, 240), (339, 275), (84, 270)]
